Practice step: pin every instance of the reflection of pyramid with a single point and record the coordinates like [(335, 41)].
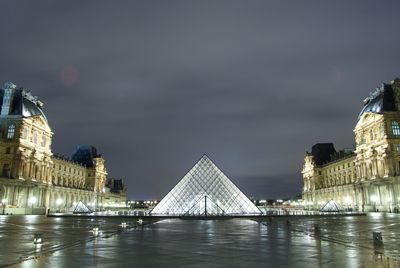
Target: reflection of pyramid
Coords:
[(81, 208), (331, 206), (205, 190)]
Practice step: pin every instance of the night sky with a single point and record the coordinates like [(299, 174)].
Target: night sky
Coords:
[(154, 85)]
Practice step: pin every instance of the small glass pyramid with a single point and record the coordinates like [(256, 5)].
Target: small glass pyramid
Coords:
[(205, 191), (81, 208), (331, 206)]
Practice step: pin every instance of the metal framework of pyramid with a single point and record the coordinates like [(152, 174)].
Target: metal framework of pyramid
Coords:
[(81, 208), (331, 206), (205, 191)]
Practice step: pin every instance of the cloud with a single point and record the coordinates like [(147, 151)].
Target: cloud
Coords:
[(156, 84)]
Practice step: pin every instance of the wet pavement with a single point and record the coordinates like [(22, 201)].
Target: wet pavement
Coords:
[(278, 242)]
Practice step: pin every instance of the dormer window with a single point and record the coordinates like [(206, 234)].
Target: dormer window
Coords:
[(395, 128), (11, 131)]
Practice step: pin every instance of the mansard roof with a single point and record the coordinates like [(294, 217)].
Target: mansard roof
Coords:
[(322, 152), (85, 155), (23, 103), (380, 100)]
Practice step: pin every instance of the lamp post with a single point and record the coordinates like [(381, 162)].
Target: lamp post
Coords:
[(3, 202)]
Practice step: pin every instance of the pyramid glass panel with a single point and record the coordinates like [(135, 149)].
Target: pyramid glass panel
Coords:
[(205, 190), (331, 206), (81, 208)]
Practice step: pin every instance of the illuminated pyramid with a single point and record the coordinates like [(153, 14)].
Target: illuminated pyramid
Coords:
[(331, 206), (81, 208), (205, 191)]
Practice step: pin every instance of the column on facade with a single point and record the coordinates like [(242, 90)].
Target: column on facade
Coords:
[(19, 170), (48, 173), (387, 166), (28, 169)]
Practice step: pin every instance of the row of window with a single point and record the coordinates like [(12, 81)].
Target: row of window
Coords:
[(34, 137), (373, 135), (339, 167), (69, 169)]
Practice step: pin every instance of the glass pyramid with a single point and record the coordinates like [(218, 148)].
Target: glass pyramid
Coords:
[(331, 206), (81, 208), (205, 191)]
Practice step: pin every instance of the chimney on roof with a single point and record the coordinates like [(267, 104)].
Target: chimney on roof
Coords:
[(9, 89), (395, 85)]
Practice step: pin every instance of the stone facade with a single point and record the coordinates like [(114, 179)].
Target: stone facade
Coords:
[(367, 178), (32, 178)]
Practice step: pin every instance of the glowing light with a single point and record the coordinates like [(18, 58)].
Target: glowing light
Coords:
[(374, 198), (95, 231), (32, 200), (38, 239), (348, 200)]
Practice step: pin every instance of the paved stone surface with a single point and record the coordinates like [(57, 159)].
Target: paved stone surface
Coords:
[(306, 242)]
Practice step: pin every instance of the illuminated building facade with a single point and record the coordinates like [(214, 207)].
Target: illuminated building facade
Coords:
[(33, 179), (368, 177)]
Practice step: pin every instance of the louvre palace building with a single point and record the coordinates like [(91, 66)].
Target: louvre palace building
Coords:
[(34, 180), (366, 178)]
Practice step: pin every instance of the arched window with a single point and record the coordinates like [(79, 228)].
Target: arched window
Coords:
[(395, 128), (11, 131)]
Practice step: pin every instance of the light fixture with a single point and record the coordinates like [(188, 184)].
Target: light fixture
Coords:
[(32, 200), (37, 239), (348, 200), (374, 198), (59, 201), (95, 231)]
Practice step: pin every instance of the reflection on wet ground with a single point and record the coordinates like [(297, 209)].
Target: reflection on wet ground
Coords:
[(283, 242)]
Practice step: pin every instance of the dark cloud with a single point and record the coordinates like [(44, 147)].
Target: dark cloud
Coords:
[(155, 84)]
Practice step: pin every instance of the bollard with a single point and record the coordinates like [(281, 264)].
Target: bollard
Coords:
[(317, 230), (95, 231), (377, 237)]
